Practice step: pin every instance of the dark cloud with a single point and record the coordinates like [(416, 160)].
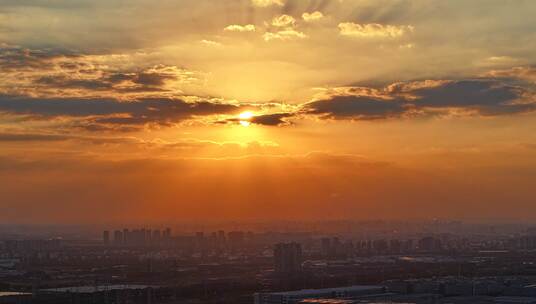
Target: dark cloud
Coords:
[(112, 111), (355, 107), (485, 97), (466, 93), (24, 137), (93, 126), (16, 58), (96, 80), (148, 79), (51, 107), (152, 79), (276, 119), (64, 82), (142, 82)]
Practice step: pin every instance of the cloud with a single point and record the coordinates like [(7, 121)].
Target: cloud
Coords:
[(311, 17), (101, 111), (65, 82), (406, 46), (463, 93), (265, 119), (26, 137), (267, 3), (89, 93), (283, 21), (240, 28), (98, 93), (275, 119), (355, 107), (497, 61), (284, 35), (489, 98), (373, 30), (210, 43), (283, 28), (485, 97), (14, 58), (55, 74), (525, 73)]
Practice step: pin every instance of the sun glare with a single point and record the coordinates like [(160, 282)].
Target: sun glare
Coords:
[(245, 118), (246, 115)]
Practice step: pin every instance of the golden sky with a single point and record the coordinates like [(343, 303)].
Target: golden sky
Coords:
[(266, 109)]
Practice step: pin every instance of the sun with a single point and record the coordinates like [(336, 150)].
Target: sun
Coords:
[(245, 117)]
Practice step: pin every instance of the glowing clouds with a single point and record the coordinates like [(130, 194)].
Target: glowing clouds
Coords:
[(284, 35), (311, 17), (373, 30), (240, 28), (284, 28), (267, 3), (283, 21)]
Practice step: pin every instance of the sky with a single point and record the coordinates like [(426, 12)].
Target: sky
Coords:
[(201, 110)]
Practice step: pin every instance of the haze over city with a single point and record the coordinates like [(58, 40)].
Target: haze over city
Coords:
[(267, 152)]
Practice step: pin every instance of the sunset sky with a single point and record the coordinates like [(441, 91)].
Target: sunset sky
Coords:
[(175, 110)]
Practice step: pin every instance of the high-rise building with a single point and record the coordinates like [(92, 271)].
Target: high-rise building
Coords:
[(156, 236), (142, 236), (235, 239), (167, 233), (326, 247), (288, 258), (200, 241), (126, 236), (148, 236), (106, 237), (221, 239), (118, 237), (333, 248), (430, 244)]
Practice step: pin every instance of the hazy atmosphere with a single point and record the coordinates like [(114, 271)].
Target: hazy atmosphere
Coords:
[(161, 111)]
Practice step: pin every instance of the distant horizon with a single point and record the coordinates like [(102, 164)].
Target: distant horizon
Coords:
[(267, 225)]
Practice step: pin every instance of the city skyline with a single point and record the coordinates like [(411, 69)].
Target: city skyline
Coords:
[(266, 110)]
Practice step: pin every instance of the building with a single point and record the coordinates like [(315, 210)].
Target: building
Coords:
[(235, 239), (118, 237), (515, 300), (106, 237), (290, 297), (288, 258), (126, 236), (430, 244), (167, 233)]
